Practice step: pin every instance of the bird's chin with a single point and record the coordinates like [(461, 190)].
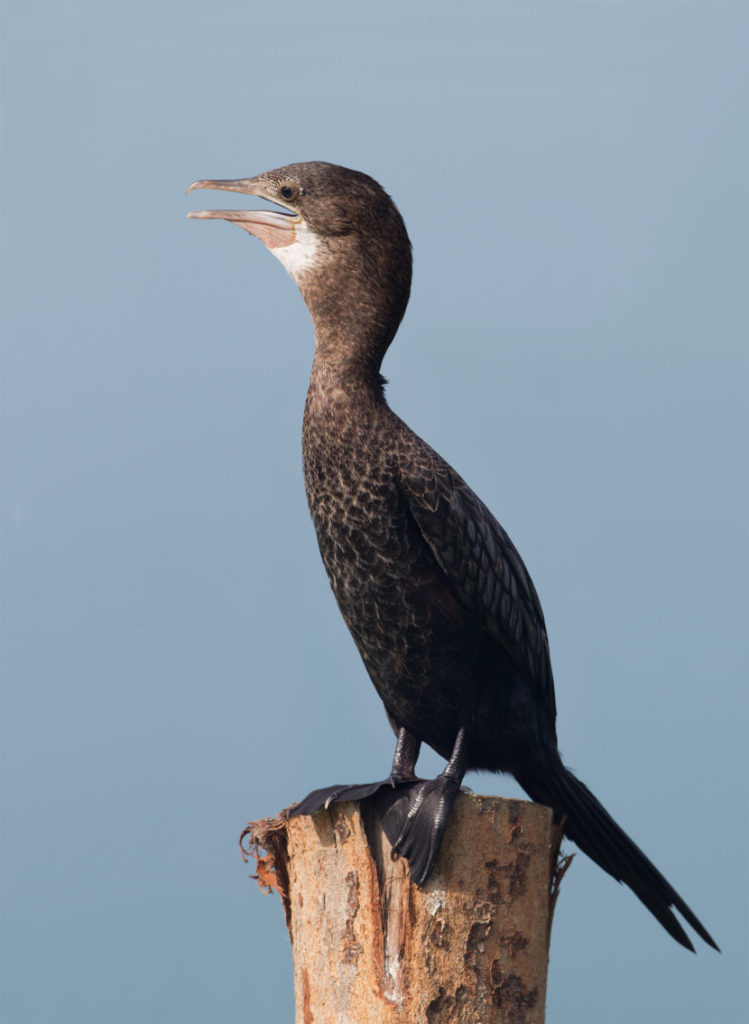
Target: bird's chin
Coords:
[(274, 229)]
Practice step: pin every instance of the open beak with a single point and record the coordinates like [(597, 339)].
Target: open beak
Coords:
[(273, 228)]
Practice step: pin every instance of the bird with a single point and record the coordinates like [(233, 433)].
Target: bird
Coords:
[(435, 595)]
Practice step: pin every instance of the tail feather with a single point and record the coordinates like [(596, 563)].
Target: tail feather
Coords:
[(589, 825)]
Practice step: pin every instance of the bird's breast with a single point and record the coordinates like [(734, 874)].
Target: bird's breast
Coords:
[(366, 539), (411, 631)]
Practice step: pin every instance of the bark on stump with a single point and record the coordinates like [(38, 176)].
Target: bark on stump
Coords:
[(470, 947)]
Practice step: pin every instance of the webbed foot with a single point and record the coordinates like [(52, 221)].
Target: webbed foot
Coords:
[(320, 798), (414, 817), (413, 812)]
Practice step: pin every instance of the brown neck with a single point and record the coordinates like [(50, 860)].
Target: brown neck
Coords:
[(356, 302)]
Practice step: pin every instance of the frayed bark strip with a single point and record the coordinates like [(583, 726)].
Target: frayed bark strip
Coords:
[(266, 842), (559, 865)]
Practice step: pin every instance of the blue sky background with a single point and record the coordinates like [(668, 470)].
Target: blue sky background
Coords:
[(574, 179)]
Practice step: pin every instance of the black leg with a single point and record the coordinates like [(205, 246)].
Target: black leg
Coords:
[(402, 773), (455, 768), (415, 814), (405, 757)]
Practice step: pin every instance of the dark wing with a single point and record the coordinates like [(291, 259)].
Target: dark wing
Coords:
[(481, 563)]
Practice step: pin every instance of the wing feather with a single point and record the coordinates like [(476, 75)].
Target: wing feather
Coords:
[(483, 566)]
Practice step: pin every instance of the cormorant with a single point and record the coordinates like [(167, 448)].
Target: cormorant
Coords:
[(437, 598)]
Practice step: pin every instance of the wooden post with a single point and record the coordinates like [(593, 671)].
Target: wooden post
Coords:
[(470, 947)]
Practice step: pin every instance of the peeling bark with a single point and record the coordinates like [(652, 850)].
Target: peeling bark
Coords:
[(470, 947)]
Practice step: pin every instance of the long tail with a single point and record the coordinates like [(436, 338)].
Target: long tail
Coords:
[(589, 825)]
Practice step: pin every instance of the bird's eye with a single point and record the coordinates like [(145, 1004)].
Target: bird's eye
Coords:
[(289, 192)]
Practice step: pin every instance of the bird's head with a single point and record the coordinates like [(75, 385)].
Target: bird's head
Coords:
[(339, 235)]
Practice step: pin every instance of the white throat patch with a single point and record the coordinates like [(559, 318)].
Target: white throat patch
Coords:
[(302, 254)]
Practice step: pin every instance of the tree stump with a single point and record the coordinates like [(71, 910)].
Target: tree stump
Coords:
[(470, 947)]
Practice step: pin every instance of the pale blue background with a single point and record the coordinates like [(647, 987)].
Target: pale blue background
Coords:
[(574, 179)]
